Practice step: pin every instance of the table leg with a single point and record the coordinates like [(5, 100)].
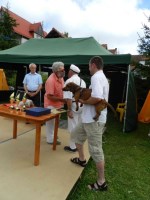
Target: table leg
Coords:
[(55, 132), (37, 144), (14, 129)]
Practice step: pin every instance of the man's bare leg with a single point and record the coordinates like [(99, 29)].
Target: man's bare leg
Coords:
[(80, 151)]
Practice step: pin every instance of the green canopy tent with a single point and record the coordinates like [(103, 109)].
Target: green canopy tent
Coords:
[(68, 50), (131, 115), (77, 51)]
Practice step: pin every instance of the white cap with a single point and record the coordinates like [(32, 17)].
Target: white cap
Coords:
[(74, 68)]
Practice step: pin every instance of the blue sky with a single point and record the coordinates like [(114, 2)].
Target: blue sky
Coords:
[(145, 4), (116, 23)]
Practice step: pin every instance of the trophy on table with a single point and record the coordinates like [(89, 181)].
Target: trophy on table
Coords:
[(12, 99), (17, 101), (24, 99)]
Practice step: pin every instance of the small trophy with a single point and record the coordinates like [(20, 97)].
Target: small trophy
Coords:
[(17, 101), (24, 99), (12, 99)]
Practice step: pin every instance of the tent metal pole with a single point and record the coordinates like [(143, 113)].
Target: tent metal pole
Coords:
[(40, 90), (126, 99)]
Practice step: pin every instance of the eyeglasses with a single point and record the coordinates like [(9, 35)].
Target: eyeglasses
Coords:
[(62, 70)]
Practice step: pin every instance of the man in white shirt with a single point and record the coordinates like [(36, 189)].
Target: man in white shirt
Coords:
[(74, 117), (90, 129)]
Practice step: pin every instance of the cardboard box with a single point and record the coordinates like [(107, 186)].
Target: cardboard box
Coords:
[(38, 111)]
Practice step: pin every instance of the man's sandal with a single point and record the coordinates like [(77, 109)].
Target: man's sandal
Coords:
[(78, 162), (96, 187)]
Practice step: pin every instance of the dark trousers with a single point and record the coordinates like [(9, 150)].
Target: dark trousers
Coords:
[(36, 99)]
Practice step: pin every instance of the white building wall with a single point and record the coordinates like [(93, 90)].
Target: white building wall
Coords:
[(23, 40)]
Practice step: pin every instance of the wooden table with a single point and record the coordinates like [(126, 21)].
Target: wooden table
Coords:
[(38, 121)]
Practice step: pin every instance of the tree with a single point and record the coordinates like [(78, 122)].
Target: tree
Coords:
[(142, 71), (144, 50), (144, 42), (8, 38)]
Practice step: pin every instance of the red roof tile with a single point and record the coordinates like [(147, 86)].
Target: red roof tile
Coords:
[(34, 27)]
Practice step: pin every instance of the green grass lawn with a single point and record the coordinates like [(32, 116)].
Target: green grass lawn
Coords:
[(127, 168)]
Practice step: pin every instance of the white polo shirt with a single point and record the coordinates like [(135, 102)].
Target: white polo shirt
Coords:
[(100, 89)]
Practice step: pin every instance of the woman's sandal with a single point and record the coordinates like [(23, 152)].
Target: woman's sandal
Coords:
[(78, 162), (96, 187)]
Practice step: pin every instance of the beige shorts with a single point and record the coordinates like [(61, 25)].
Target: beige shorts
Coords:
[(93, 133)]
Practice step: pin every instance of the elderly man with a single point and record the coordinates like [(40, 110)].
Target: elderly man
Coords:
[(74, 117), (33, 84), (53, 97)]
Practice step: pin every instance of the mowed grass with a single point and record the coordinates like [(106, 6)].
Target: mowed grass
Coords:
[(127, 166)]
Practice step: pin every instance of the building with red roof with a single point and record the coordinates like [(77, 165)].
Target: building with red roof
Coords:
[(24, 29)]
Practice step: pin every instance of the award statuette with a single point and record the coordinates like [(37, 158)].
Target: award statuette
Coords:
[(17, 101), (12, 99), (24, 101)]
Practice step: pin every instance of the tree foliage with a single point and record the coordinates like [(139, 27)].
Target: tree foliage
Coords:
[(8, 38), (142, 71), (144, 50), (144, 42)]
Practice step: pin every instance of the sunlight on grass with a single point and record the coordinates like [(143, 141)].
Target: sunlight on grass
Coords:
[(127, 157)]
